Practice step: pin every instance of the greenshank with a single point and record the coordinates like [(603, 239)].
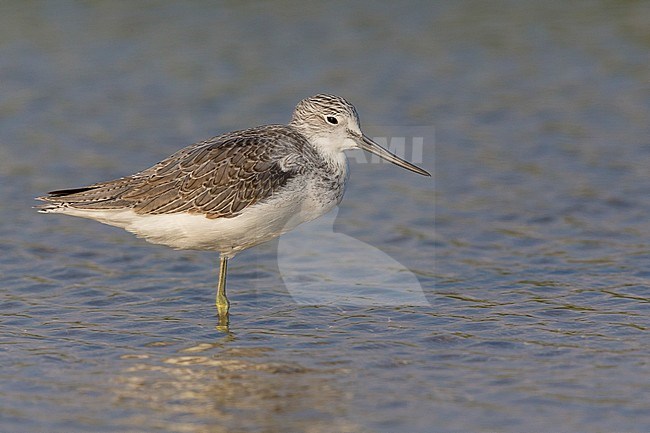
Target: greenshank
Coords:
[(236, 190)]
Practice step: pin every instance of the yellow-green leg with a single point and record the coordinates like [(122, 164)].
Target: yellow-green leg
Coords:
[(222, 301)]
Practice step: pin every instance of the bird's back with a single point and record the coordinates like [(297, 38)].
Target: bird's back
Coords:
[(218, 177)]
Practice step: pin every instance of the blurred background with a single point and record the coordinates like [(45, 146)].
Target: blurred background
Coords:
[(530, 241)]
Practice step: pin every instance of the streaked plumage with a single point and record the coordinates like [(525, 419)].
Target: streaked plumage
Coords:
[(218, 177), (236, 190)]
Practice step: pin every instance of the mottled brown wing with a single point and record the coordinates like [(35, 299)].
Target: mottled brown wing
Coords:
[(219, 177)]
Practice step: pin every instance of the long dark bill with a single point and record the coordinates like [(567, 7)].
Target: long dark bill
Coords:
[(367, 144)]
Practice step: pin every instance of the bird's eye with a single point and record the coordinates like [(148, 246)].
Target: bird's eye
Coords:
[(333, 120)]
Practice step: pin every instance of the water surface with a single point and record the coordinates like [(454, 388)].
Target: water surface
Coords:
[(530, 242)]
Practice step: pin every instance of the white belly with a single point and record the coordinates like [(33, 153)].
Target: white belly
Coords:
[(257, 224)]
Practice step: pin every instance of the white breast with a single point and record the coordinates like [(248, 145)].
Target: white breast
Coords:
[(301, 200)]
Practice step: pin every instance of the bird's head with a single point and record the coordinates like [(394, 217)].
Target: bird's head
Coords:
[(331, 124)]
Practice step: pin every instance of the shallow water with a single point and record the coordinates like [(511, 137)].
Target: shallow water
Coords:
[(529, 245)]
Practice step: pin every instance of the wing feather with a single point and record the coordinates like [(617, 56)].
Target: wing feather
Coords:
[(219, 177)]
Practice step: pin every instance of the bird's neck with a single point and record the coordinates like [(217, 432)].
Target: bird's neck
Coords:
[(332, 155), (330, 149)]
